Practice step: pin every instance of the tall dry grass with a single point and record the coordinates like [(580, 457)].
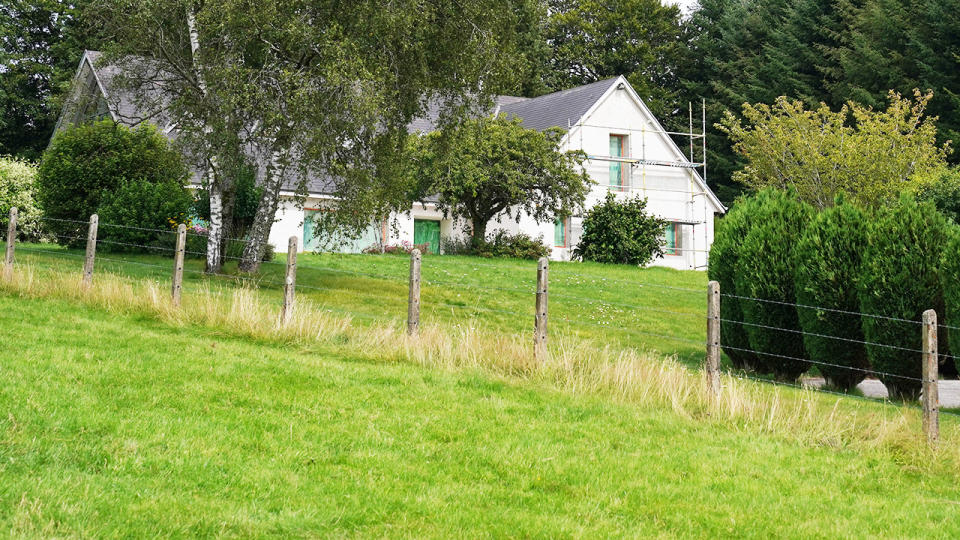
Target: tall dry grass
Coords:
[(644, 378)]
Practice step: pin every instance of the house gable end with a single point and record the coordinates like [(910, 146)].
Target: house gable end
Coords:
[(656, 130)]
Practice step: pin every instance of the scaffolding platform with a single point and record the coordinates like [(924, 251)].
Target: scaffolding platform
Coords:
[(651, 162)]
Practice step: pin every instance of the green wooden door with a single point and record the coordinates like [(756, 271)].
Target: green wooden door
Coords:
[(427, 232), (310, 242)]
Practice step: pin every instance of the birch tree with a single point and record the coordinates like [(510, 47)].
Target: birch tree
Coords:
[(318, 90)]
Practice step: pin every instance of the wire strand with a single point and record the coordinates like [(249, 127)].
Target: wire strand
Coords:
[(806, 360), (805, 333), (778, 302)]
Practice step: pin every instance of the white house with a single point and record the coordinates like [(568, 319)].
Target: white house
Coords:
[(629, 153)]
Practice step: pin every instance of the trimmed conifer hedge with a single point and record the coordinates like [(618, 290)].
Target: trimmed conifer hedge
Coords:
[(901, 279), (827, 260), (723, 260), (765, 271)]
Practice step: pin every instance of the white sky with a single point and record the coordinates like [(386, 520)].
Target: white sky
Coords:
[(685, 5)]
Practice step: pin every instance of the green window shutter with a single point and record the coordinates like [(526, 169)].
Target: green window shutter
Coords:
[(309, 241), (616, 168), (559, 233), (671, 247)]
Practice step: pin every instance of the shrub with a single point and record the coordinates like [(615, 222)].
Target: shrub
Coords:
[(621, 232), (764, 270), (827, 262), (87, 161), (144, 205), (901, 279), (403, 248), (513, 246), (942, 188), (723, 261), (501, 244), (17, 185)]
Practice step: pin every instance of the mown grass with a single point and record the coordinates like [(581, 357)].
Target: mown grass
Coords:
[(122, 419), (625, 307)]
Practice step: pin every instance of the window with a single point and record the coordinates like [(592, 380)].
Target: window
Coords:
[(619, 170), (561, 228), (674, 236)]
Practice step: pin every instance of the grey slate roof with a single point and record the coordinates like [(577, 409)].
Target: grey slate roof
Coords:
[(559, 109)]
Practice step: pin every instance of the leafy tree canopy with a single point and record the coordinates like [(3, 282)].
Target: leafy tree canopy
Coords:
[(487, 167), (871, 156), (592, 40)]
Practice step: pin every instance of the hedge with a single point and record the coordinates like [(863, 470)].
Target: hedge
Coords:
[(765, 271), (723, 260), (901, 279), (87, 161), (827, 260)]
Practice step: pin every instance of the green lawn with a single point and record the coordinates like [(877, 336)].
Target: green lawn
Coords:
[(621, 306), (118, 425)]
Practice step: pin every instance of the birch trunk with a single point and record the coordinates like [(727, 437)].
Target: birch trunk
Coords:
[(216, 240), (259, 233)]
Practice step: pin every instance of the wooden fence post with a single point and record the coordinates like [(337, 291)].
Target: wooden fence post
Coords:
[(540, 318), (91, 250), (931, 396), (712, 362), (177, 288), (290, 283), (413, 302), (11, 241)]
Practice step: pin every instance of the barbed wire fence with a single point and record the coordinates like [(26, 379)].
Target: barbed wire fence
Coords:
[(711, 343)]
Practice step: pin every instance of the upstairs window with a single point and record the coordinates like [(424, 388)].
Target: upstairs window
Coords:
[(618, 170)]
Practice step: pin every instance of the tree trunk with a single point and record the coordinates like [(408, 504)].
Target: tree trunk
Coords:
[(479, 231), (215, 230), (217, 184), (259, 233)]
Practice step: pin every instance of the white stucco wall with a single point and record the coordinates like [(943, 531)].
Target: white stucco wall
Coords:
[(673, 193)]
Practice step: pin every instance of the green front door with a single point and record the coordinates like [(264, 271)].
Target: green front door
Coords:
[(310, 241), (427, 232)]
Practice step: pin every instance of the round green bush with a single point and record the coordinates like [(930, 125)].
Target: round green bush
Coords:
[(87, 161), (901, 279), (827, 261), (621, 232), (765, 271), (17, 179), (722, 268), (131, 214)]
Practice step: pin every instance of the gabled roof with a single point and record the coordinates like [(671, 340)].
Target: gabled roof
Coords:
[(622, 83), (560, 109), (564, 109)]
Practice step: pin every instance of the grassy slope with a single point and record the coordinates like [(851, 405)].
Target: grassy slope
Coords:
[(615, 305), (119, 425)]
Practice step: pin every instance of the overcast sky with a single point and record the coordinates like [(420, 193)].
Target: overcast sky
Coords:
[(685, 5)]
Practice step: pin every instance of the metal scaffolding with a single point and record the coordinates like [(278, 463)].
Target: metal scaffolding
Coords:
[(640, 163)]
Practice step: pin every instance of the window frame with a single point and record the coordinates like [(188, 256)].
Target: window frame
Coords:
[(624, 185), (565, 223), (677, 249)]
